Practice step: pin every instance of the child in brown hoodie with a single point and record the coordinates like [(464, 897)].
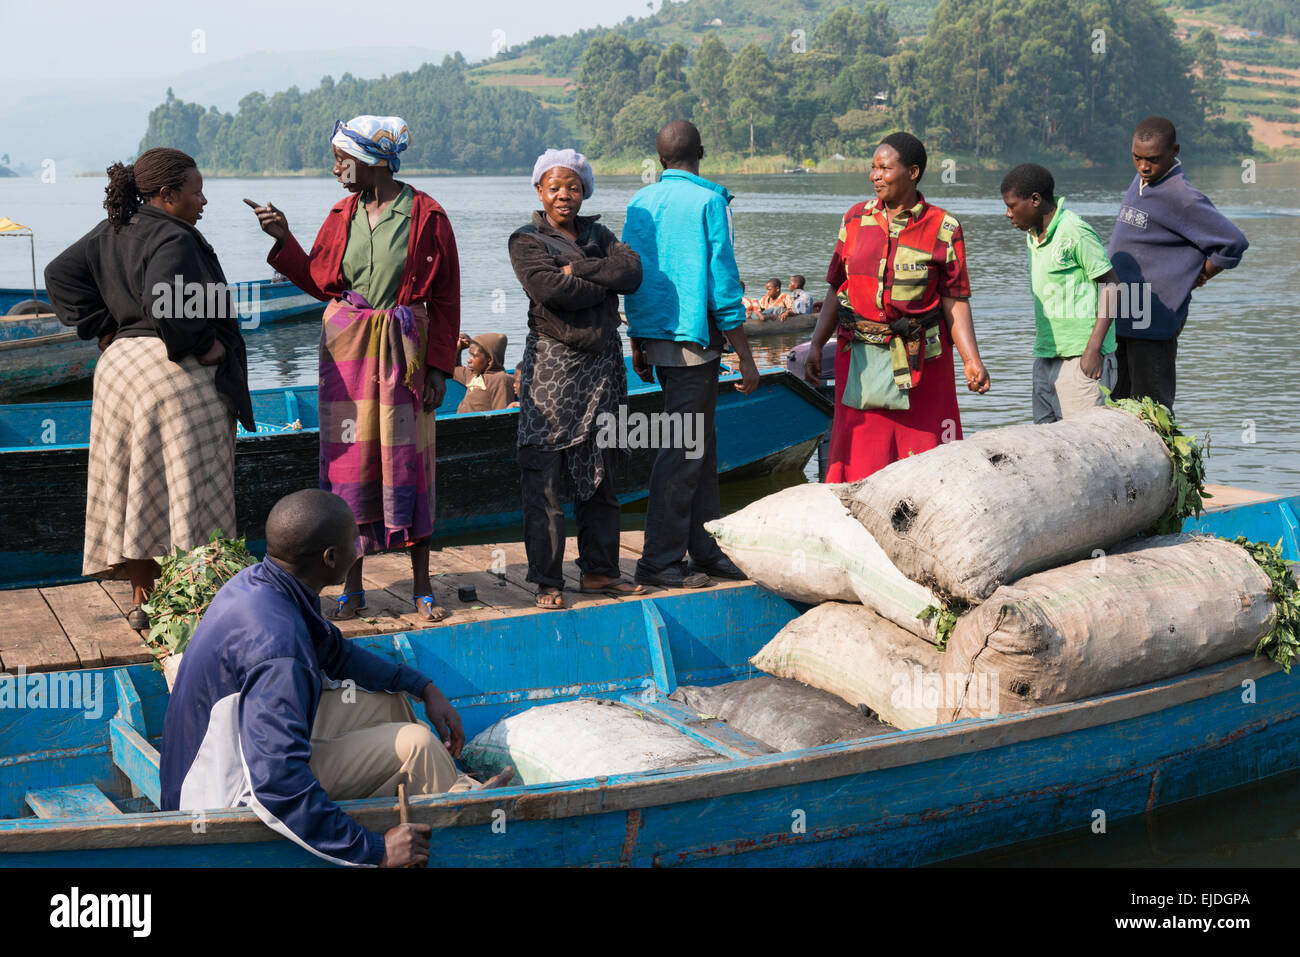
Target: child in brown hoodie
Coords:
[(487, 385)]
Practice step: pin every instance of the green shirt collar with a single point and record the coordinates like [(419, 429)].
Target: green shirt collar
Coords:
[(1051, 227)]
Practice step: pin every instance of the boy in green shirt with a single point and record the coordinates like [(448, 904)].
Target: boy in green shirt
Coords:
[(1074, 350)]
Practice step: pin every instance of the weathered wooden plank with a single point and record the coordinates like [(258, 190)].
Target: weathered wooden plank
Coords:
[(121, 593), (1226, 496), (632, 541), (95, 626), (137, 759), (81, 800), (33, 638)]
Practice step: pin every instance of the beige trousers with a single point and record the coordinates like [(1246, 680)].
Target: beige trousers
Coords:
[(364, 744), (1061, 389)]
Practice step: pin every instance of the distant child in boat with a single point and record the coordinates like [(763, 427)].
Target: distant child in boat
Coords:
[(774, 304), (1074, 351), (801, 303), (487, 385)]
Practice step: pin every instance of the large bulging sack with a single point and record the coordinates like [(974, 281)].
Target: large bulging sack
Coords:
[(803, 544), (573, 740), (1149, 610), (969, 516), (853, 653), (783, 714)]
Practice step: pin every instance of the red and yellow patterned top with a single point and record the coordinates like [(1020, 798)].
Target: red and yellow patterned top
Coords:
[(899, 267)]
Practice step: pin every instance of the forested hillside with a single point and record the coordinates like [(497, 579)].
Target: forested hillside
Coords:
[(802, 81)]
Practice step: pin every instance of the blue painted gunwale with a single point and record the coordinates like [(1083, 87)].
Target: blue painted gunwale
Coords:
[(907, 798)]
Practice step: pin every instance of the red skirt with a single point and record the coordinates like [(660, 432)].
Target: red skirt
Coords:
[(864, 441)]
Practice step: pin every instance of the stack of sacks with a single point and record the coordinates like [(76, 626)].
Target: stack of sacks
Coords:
[(803, 544), (1020, 520)]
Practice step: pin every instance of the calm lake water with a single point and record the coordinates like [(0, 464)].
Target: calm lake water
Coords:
[(1238, 358)]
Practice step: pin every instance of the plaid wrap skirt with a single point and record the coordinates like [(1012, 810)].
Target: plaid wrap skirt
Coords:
[(162, 457)]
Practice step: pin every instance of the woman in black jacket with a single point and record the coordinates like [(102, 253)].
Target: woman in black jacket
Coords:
[(173, 376), (571, 376)]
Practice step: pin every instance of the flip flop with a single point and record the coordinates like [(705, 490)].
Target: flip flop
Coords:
[(341, 612), (426, 608), (613, 591), (546, 599)]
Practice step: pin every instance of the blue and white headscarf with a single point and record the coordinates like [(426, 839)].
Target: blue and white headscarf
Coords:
[(375, 140)]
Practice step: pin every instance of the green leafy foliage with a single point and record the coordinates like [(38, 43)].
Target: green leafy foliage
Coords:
[(945, 617), (1282, 643), (188, 583), (1188, 456), (455, 124)]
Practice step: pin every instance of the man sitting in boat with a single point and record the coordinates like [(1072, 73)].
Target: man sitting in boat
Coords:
[(487, 385), (255, 719)]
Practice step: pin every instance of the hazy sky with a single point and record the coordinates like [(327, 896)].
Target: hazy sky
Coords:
[(64, 39)]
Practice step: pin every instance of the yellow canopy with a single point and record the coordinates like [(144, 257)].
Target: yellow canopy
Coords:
[(9, 226)]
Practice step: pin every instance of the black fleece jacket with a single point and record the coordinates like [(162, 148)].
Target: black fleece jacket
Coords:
[(581, 309), (123, 283)]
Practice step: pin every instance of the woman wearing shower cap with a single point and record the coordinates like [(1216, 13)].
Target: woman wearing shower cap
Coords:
[(385, 259), (572, 379)]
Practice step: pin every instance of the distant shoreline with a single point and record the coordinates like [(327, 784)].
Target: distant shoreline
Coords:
[(728, 166)]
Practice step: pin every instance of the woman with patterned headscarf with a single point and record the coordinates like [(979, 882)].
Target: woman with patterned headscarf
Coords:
[(572, 377), (169, 383), (385, 259)]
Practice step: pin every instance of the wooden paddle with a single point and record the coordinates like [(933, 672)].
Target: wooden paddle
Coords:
[(403, 810)]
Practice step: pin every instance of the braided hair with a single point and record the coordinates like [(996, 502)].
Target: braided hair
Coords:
[(130, 185), (910, 150)]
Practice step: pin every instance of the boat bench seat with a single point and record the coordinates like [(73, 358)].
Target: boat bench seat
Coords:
[(81, 800)]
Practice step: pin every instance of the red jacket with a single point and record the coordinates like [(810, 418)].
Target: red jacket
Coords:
[(431, 276)]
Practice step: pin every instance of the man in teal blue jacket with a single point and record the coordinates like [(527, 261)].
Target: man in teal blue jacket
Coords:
[(688, 301)]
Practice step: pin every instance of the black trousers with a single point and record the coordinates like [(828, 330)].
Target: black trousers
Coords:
[(1146, 367), (542, 474), (684, 488)]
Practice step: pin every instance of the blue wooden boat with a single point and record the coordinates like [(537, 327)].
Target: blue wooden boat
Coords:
[(38, 352), (44, 455), (78, 783)]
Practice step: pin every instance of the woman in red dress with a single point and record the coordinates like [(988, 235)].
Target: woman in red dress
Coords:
[(902, 263)]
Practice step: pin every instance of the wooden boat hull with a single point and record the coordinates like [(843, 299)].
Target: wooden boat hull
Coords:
[(43, 463), (757, 328), (906, 798), (39, 352)]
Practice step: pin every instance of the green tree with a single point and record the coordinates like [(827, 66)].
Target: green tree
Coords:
[(609, 77), (1210, 86), (750, 82), (708, 81)]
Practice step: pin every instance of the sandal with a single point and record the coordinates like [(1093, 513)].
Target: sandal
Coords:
[(613, 589), (342, 612), (551, 599), (427, 610), (136, 618)]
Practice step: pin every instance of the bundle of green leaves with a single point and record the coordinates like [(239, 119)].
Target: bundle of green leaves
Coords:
[(945, 617), (188, 583), (1282, 643), (1188, 456)]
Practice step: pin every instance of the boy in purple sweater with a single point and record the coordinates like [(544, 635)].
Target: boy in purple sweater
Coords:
[(1168, 239)]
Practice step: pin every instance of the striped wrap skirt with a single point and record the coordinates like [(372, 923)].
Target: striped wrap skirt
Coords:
[(162, 457)]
